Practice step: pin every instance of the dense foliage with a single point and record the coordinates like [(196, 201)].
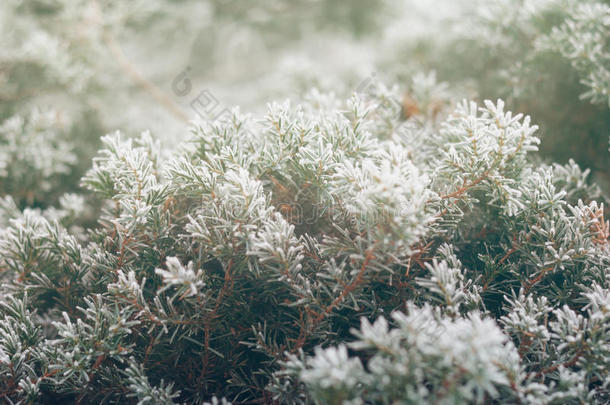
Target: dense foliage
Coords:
[(393, 245)]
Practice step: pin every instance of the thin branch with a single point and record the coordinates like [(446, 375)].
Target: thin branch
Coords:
[(135, 74)]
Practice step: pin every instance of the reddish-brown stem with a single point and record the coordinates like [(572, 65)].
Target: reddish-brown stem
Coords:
[(227, 286)]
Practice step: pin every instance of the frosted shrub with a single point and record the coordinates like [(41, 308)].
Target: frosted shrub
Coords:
[(395, 245), (303, 259)]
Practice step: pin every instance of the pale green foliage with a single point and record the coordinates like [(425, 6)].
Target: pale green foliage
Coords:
[(382, 248), (34, 155), (583, 39), (427, 358), (144, 391), (523, 51), (239, 265), (177, 275)]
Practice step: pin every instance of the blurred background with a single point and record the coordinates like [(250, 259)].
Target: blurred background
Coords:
[(74, 70)]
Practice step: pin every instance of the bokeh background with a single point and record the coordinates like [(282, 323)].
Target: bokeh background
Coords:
[(73, 70)]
